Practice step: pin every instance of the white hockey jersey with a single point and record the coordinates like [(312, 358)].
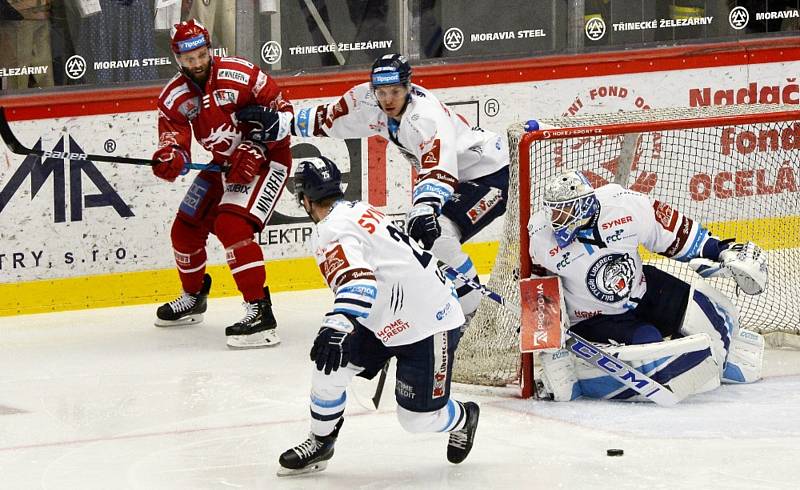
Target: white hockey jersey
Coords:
[(601, 270), (382, 277), (438, 142)]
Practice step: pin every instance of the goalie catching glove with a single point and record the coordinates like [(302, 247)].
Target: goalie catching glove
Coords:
[(745, 262), (748, 266), (270, 125), (331, 348)]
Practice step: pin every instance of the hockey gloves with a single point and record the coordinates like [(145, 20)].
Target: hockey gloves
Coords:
[(331, 348), (270, 125), (245, 162), (172, 160), (422, 225), (747, 264)]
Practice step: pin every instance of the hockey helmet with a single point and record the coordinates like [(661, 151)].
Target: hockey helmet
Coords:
[(571, 201), (317, 178), (188, 36), (390, 69)]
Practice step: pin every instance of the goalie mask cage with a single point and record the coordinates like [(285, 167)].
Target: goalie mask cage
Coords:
[(735, 169)]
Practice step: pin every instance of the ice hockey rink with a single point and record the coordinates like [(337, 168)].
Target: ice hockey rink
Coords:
[(102, 399)]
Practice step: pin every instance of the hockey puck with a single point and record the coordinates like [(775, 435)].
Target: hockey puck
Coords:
[(614, 452)]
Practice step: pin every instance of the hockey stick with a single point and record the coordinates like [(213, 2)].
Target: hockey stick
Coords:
[(376, 400), (18, 148), (614, 367), (368, 392)]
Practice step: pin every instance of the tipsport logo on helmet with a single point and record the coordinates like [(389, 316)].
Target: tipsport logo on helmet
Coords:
[(190, 44), (385, 78)]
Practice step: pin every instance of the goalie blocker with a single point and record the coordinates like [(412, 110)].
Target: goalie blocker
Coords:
[(694, 363)]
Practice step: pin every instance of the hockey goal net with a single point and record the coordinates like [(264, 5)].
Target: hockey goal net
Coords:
[(734, 168)]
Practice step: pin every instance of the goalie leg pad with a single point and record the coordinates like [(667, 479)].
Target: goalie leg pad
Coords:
[(745, 358), (712, 313), (557, 379), (686, 366)]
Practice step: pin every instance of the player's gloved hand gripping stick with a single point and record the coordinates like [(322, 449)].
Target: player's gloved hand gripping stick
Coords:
[(18, 148)]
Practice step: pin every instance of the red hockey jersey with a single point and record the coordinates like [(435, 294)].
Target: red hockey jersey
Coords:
[(209, 112)]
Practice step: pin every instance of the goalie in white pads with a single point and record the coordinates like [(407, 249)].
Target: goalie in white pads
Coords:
[(590, 238), (390, 300)]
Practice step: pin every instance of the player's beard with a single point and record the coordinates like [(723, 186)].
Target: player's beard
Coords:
[(199, 75)]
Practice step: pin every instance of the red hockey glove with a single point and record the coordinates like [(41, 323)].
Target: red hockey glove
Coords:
[(172, 160), (245, 162)]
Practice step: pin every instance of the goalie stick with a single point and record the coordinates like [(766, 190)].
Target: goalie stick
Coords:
[(580, 347), (18, 148)]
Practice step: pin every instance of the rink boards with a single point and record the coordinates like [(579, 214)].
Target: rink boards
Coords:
[(78, 235)]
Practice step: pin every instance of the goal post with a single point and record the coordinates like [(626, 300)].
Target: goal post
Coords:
[(736, 169)]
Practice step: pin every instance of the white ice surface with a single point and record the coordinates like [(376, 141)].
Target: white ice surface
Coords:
[(102, 399)]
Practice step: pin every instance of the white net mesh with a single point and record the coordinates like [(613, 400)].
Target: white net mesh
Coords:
[(738, 176)]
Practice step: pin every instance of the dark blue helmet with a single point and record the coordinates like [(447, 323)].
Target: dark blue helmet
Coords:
[(390, 69), (317, 178)]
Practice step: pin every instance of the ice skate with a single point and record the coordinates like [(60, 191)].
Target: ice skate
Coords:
[(310, 456), (257, 328), (188, 309), (460, 443)]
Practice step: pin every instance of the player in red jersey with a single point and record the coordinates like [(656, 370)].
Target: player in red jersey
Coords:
[(202, 100)]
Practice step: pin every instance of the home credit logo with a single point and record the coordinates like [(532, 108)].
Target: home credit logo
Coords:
[(605, 150)]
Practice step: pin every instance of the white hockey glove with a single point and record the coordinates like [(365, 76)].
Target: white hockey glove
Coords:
[(748, 266), (745, 262), (331, 348)]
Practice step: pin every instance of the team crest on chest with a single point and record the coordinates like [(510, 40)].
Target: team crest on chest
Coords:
[(610, 278)]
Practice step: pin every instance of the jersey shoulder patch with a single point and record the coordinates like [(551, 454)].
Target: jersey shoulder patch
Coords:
[(176, 90)]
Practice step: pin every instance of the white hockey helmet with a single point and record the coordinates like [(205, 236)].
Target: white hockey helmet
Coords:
[(570, 199)]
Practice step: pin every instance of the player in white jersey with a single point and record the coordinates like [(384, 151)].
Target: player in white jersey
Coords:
[(462, 183), (390, 300), (590, 238)]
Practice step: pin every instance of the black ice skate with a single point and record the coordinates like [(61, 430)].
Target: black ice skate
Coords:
[(311, 456), (460, 443), (186, 310), (257, 328)]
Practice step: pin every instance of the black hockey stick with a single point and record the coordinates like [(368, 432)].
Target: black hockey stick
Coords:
[(381, 381), (18, 148), (580, 347)]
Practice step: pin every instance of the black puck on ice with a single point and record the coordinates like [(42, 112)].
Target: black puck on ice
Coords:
[(614, 452)]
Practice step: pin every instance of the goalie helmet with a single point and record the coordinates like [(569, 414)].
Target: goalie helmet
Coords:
[(390, 69), (188, 36), (317, 178), (570, 199)]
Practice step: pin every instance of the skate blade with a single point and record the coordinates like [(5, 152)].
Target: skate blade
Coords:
[(258, 340), (187, 320), (313, 468)]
